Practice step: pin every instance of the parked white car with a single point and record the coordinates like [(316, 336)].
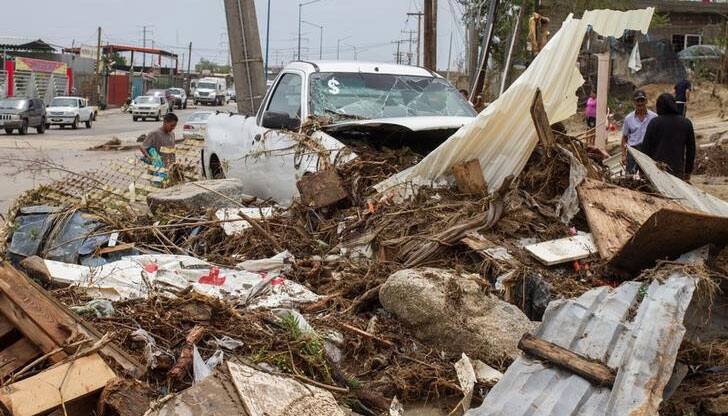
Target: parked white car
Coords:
[(376, 103), (196, 125), (146, 106), (69, 111)]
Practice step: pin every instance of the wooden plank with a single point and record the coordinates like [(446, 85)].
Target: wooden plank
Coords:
[(27, 327), (667, 234), (48, 389), (17, 355), (321, 189), (591, 370), (564, 249), (614, 213), (469, 177), (47, 322), (541, 122), (118, 247), (5, 326)]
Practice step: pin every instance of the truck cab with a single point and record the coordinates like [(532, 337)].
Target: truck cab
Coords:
[(210, 91), (376, 103), (69, 111)]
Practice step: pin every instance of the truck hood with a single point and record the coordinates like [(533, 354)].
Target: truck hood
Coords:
[(64, 109), (414, 124), (10, 111)]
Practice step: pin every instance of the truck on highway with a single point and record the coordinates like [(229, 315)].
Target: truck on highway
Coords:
[(378, 104), (210, 90)]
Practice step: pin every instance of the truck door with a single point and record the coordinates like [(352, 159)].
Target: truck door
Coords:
[(275, 155)]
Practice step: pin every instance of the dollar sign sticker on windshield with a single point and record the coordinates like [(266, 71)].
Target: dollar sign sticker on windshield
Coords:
[(334, 86)]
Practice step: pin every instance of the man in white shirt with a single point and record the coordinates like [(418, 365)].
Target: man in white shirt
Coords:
[(635, 126)]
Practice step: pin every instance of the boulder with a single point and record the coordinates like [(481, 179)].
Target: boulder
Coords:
[(455, 312), (191, 197)]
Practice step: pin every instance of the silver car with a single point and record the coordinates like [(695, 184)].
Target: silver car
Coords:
[(196, 126), (180, 97)]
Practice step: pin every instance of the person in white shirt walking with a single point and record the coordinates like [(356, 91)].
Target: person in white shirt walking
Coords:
[(635, 126)]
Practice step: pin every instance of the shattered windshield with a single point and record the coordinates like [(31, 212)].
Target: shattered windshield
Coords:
[(64, 102), (370, 96), (13, 104)]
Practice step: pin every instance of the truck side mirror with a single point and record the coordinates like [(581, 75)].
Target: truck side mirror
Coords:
[(277, 121)]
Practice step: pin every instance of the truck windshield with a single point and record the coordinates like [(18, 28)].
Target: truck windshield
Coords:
[(64, 102), (13, 104), (367, 96), (144, 100), (206, 85)]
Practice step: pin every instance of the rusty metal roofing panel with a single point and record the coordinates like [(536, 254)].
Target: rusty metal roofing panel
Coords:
[(635, 330)]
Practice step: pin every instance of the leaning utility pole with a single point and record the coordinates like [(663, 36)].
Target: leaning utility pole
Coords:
[(489, 29), (419, 32), (247, 57), (430, 46)]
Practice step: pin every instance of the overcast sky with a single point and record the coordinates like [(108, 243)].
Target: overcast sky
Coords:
[(369, 25)]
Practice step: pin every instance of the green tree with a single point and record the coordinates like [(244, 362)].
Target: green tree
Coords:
[(206, 64)]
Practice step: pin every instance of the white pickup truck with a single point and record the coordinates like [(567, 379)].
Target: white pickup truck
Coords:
[(376, 103), (69, 111)]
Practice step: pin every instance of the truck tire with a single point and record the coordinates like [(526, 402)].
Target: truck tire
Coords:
[(23, 130), (185, 105), (74, 125), (159, 115), (216, 171), (89, 122), (135, 118), (41, 127), (8, 131)]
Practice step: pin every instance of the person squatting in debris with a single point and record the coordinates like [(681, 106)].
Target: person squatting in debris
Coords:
[(635, 126), (159, 144), (682, 95), (670, 138)]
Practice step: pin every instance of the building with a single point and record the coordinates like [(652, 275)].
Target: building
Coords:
[(682, 23)]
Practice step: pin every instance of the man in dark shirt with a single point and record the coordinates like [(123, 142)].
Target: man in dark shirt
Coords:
[(162, 141), (682, 95), (670, 138)]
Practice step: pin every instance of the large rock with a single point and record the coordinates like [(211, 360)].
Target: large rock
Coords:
[(454, 312), (200, 195)]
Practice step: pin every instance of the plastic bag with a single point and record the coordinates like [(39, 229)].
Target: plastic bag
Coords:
[(201, 368)]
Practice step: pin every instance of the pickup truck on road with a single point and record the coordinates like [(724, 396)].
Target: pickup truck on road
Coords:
[(375, 103), (69, 111)]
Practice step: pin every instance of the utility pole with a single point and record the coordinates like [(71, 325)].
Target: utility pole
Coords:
[(321, 37), (489, 29), (300, 8), (247, 57), (338, 46), (410, 41), (267, 42), (98, 67), (449, 59), (419, 32), (511, 45), (144, 44), (430, 46), (189, 67)]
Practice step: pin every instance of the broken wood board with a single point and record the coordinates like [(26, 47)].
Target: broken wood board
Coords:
[(675, 188), (16, 356), (266, 394), (615, 213), (48, 389), (321, 189), (668, 234), (488, 249), (541, 122), (563, 250), (591, 370), (469, 177), (215, 395), (48, 323)]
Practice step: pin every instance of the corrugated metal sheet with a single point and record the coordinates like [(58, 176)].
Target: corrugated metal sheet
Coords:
[(503, 136), (601, 324), (14, 43), (682, 192)]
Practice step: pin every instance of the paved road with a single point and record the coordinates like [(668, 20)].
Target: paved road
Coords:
[(68, 148)]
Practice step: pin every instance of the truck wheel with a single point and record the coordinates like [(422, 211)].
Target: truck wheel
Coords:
[(135, 118), (216, 168), (89, 122), (41, 128), (74, 125), (8, 131), (23, 130), (159, 115), (185, 105)]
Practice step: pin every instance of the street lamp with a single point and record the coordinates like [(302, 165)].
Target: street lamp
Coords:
[(300, 7), (338, 45), (353, 47), (321, 39)]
